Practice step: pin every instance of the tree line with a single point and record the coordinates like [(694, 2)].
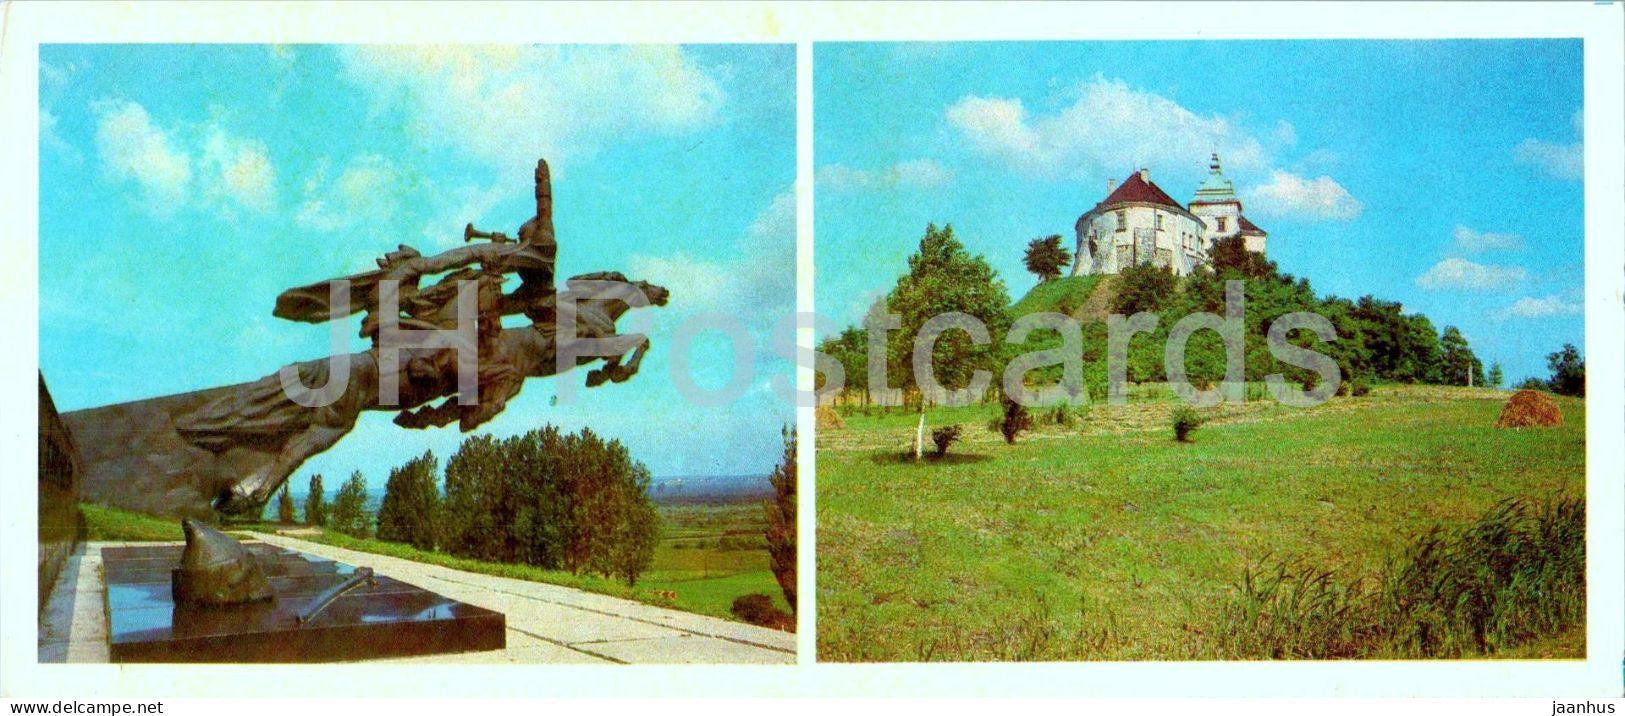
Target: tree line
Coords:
[(1377, 340), (556, 500)]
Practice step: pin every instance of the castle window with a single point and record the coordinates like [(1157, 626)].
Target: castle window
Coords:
[(1221, 225), (1122, 220), (1159, 221)]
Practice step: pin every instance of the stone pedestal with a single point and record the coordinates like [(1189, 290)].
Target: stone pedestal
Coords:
[(388, 618)]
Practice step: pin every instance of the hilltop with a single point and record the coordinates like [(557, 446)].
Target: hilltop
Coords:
[(1084, 298)]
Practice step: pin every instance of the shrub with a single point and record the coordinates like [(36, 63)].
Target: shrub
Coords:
[(1061, 416), (945, 436), (759, 609), (1359, 387), (1013, 421), (1185, 420)]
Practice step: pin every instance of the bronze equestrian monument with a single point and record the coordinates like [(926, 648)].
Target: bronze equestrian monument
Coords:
[(440, 353)]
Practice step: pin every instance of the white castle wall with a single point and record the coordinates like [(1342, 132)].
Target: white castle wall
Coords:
[(1179, 242)]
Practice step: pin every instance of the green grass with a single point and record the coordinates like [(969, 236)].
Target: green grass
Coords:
[(1062, 295), (110, 524), (706, 580), (1513, 577), (1109, 540)]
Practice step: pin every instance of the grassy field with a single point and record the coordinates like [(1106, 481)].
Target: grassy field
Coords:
[(110, 524), (1106, 539), (708, 555), (712, 554)]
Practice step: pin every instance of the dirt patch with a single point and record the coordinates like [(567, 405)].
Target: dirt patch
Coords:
[(887, 457), (1529, 408), (1099, 305)]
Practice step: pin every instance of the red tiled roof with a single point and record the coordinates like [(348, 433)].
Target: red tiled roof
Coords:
[(1248, 226), (1136, 189)]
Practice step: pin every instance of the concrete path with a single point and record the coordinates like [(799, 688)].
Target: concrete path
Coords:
[(546, 623), (74, 625)]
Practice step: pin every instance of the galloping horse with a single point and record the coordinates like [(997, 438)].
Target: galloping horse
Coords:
[(263, 416)]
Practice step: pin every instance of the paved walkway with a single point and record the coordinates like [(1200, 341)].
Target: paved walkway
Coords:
[(546, 623)]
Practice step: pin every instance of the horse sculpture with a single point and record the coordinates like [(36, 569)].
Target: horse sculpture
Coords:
[(229, 449)]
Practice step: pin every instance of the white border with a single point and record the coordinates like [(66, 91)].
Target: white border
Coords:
[(26, 25)]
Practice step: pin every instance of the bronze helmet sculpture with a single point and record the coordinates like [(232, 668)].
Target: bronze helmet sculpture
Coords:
[(217, 570)]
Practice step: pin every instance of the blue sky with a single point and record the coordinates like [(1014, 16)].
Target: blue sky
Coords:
[(1442, 174), (182, 187)]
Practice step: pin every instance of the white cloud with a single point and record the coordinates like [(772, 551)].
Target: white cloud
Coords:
[(1284, 134), (702, 284), (50, 139), (1564, 161), (508, 105), (1544, 307), (132, 148), (759, 282), (220, 170), (1110, 126), (366, 190), (1470, 240), (241, 171), (1456, 273), (778, 221), (924, 173), (54, 77), (1288, 194)]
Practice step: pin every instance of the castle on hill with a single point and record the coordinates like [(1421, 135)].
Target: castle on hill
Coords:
[(1139, 223)]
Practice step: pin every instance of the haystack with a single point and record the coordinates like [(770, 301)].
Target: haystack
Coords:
[(1529, 408), (828, 419)]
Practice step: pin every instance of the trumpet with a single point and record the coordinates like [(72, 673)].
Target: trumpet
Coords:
[(496, 237)]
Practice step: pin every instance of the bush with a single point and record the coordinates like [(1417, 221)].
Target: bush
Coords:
[(759, 609), (1061, 416), (1014, 420), (1359, 387), (945, 436), (1185, 419)]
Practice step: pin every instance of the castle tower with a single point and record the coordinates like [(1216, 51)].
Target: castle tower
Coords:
[(1137, 223), (1219, 208)]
